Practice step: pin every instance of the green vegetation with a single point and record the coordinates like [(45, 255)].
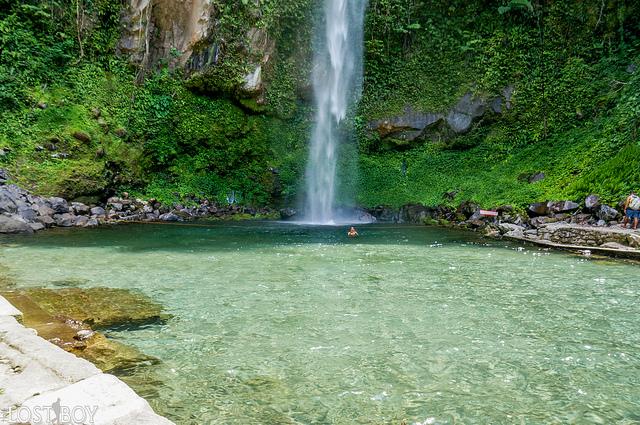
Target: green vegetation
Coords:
[(155, 139), (575, 114), (78, 121)]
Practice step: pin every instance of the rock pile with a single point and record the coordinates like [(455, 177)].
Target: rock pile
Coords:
[(22, 212), (590, 223)]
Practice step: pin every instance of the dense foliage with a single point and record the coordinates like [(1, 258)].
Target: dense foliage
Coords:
[(77, 120), (575, 105)]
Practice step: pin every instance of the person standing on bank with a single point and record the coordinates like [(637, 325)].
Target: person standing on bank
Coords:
[(632, 210)]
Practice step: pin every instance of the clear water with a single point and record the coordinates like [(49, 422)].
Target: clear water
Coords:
[(337, 78), (281, 324)]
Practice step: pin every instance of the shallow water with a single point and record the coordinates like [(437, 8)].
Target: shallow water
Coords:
[(277, 324)]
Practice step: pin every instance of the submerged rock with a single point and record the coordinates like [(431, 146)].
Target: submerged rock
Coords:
[(99, 307), (66, 317)]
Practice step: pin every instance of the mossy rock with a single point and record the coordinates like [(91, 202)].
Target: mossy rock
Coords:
[(62, 329), (100, 308)]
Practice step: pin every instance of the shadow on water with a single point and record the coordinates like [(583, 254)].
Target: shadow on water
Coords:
[(211, 237)]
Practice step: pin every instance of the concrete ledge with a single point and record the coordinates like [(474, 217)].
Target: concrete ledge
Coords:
[(612, 252), (104, 398), (7, 309), (36, 374)]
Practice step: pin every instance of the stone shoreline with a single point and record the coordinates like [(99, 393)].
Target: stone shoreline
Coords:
[(23, 212), (36, 376), (590, 226)]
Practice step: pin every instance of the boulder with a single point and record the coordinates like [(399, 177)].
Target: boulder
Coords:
[(92, 222), (27, 213), (7, 202), (65, 220), (538, 209), (81, 221), (408, 126), (562, 206), (46, 220), (37, 226), (468, 208), (510, 227), (415, 213), (44, 211), (170, 216), (384, 214), (466, 110), (607, 213), (80, 208), (285, 213), (59, 205), (14, 224), (99, 211), (592, 202)]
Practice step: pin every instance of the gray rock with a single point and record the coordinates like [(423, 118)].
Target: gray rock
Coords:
[(7, 204), (80, 208), (592, 202), (59, 205), (81, 221), (92, 222), (510, 227), (408, 126), (27, 213), (44, 210), (462, 115), (562, 206), (83, 334), (99, 211), (37, 226), (170, 216), (536, 177), (4, 176), (46, 220), (117, 206), (538, 209), (65, 220), (14, 224), (607, 213), (632, 68)]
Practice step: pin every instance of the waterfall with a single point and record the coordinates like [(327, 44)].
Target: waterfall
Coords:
[(337, 81)]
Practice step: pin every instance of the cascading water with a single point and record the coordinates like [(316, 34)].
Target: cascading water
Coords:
[(337, 78)]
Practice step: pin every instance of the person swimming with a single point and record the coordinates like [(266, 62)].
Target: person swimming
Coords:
[(352, 232)]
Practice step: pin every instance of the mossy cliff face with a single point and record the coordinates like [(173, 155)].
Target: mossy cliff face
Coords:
[(211, 98)]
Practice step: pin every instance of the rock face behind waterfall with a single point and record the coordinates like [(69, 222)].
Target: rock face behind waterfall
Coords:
[(413, 125)]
